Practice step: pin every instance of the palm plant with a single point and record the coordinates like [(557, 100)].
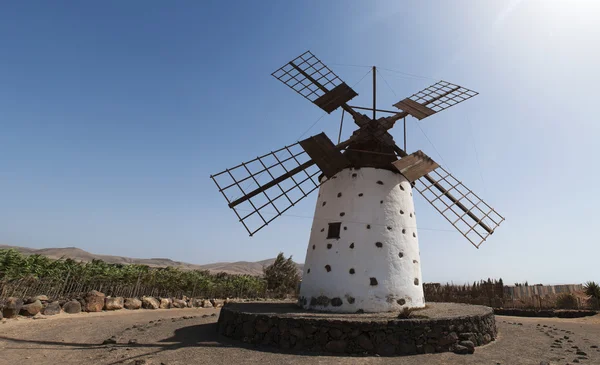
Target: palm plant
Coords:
[(592, 289)]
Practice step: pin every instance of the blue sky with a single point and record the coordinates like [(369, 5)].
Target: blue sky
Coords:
[(113, 115)]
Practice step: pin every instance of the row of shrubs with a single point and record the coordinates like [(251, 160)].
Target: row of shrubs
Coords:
[(30, 275), (96, 301), (491, 293)]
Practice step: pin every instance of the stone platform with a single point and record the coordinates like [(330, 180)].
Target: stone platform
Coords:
[(440, 327)]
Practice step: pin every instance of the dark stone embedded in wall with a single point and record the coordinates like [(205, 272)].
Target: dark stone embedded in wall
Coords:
[(401, 301), (380, 182), (328, 268), (323, 300), (379, 244), (389, 228), (414, 234), (351, 271), (403, 230), (354, 174), (368, 226), (322, 229), (345, 228), (352, 245), (416, 281), (324, 204), (381, 202), (373, 281), (400, 254), (329, 246), (308, 271), (342, 214), (339, 195), (355, 336), (360, 194), (313, 247)]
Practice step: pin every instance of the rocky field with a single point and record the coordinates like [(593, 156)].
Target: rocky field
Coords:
[(189, 336)]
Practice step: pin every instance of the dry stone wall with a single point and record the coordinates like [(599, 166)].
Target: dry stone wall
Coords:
[(385, 338), (95, 301)]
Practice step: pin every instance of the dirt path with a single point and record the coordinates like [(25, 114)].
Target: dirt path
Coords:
[(188, 336)]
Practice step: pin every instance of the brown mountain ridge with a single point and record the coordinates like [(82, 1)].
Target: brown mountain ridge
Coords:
[(239, 267)]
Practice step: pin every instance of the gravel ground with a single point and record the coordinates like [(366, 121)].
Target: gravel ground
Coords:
[(188, 336)]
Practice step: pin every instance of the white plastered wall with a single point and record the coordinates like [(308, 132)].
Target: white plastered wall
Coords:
[(375, 208)]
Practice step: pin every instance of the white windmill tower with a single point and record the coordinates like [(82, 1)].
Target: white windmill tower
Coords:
[(363, 252)]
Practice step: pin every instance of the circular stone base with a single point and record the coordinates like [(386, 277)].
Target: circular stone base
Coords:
[(440, 327)]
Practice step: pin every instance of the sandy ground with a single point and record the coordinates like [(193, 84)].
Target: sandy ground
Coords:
[(188, 336)]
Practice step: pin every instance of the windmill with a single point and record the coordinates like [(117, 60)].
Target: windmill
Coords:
[(363, 252)]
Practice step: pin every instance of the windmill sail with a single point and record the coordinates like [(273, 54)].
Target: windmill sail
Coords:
[(262, 189), (434, 99), (468, 213), (309, 77)]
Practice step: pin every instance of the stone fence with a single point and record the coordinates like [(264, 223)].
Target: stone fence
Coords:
[(96, 301)]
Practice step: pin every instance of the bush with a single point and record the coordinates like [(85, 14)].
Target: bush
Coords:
[(282, 276), (566, 301)]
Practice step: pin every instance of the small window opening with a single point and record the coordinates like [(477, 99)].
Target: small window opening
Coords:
[(334, 230)]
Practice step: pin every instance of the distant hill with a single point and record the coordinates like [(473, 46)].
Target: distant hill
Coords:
[(239, 267)]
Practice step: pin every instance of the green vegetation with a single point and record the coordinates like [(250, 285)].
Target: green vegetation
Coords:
[(22, 275), (592, 289), (485, 292), (282, 276), (566, 301)]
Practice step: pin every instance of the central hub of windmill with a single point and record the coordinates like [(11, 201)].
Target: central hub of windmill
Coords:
[(363, 252)]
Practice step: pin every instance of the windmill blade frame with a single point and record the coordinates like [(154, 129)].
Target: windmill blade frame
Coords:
[(310, 77), (433, 99), (313, 156), (469, 214), (438, 187), (266, 201)]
